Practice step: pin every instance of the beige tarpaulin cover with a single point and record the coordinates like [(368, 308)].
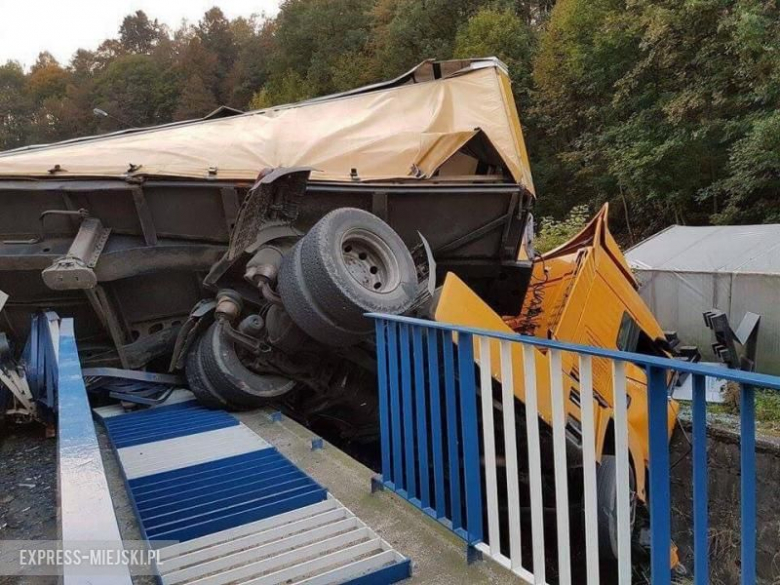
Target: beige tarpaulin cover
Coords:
[(384, 133)]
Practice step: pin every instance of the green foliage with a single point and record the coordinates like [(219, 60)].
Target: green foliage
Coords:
[(500, 33), (313, 36), (552, 233), (135, 87), (138, 34), (665, 107), (287, 88), (195, 99), (15, 108)]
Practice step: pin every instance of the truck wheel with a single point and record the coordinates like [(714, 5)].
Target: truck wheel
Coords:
[(350, 263), (215, 371), (199, 384), (606, 484)]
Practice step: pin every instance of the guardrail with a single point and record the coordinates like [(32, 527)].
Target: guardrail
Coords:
[(439, 417), (87, 517)]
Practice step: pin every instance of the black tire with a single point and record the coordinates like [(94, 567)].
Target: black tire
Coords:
[(199, 384), (231, 379), (350, 263), (304, 309), (606, 483), (219, 379)]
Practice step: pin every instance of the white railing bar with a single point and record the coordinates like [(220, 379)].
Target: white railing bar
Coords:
[(534, 462), (561, 470), (489, 439), (620, 415), (589, 471), (510, 449)]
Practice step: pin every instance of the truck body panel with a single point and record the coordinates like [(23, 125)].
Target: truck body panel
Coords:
[(579, 293)]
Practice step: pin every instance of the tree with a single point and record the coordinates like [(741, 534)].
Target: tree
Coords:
[(15, 108), (250, 71), (216, 34), (312, 36), (138, 34), (287, 88), (196, 100), (413, 30), (500, 33), (47, 79), (133, 88)]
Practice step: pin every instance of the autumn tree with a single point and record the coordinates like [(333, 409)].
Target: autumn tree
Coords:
[(139, 34), (15, 108)]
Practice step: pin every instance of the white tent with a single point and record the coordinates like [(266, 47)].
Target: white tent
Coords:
[(684, 271)]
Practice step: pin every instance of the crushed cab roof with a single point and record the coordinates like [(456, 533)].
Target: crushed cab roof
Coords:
[(406, 128)]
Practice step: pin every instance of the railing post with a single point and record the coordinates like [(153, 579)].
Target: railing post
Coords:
[(437, 448), (422, 417), (747, 442), (451, 414), (700, 537), (468, 422), (395, 405), (590, 488), (407, 410), (561, 470), (510, 455), (489, 440), (622, 472), (384, 422), (660, 515), (534, 461)]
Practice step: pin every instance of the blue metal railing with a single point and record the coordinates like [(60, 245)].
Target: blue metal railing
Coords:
[(407, 424), (420, 435)]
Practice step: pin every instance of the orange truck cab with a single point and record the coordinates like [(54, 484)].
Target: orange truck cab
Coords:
[(581, 292)]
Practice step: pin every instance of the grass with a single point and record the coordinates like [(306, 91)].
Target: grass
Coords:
[(767, 411)]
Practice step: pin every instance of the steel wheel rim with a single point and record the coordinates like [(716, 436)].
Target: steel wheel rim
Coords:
[(369, 261)]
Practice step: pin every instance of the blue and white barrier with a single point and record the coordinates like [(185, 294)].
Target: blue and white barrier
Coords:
[(438, 451)]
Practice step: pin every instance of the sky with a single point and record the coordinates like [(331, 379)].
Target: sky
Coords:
[(28, 27)]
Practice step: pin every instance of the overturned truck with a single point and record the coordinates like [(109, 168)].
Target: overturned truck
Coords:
[(245, 248)]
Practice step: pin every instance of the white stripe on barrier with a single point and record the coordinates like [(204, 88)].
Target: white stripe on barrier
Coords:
[(489, 439), (589, 471), (510, 450), (534, 462), (622, 471), (561, 472), (170, 454)]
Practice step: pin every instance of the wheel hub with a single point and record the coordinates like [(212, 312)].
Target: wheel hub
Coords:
[(369, 261)]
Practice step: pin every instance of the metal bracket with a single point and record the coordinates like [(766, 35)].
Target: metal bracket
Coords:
[(473, 554), (192, 328), (377, 485), (134, 375), (726, 339), (75, 270), (13, 377)]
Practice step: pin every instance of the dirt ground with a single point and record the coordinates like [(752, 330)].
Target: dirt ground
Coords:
[(28, 489), (28, 492)]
